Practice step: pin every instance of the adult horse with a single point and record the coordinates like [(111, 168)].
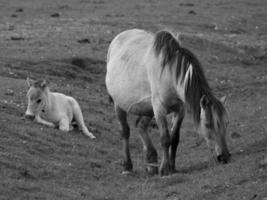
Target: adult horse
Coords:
[(152, 75)]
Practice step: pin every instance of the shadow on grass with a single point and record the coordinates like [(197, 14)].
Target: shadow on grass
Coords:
[(253, 148), (73, 68), (196, 167)]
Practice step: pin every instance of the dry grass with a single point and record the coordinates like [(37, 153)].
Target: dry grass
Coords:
[(69, 50)]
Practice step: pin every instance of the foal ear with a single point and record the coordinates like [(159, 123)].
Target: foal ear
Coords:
[(204, 101), (29, 82), (223, 99), (44, 84)]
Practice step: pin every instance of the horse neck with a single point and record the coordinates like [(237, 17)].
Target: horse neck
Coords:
[(191, 88)]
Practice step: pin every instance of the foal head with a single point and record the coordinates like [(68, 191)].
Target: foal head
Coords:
[(37, 97), (213, 124)]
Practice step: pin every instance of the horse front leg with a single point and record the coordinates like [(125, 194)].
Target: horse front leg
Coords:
[(160, 115), (175, 135), (125, 134)]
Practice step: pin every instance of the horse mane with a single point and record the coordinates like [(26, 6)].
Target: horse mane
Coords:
[(196, 84), (166, 43)]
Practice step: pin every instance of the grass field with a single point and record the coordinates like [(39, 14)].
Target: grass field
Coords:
[(66, 41)]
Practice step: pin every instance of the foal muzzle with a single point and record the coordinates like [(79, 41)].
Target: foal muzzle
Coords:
[(30, 117)]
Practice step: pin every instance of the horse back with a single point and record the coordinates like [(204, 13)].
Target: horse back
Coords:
[(126, 79), (129, 45)]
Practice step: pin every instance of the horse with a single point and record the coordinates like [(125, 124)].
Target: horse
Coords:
[(61, 110), (152, 75)]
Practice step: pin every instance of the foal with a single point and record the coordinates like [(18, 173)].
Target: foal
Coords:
[(61, 110)]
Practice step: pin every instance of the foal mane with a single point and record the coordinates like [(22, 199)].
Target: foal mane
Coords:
[(196, 84)]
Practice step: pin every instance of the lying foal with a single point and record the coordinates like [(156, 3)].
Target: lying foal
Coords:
[(61, 110)]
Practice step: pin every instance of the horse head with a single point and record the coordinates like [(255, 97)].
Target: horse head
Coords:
[(213, 124), (37, 97)]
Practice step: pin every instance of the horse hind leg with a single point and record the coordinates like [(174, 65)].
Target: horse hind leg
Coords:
[(160, 113), (151, 153), (125, 134), (78, 116), (175, 135)]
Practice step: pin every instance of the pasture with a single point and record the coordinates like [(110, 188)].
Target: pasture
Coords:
[(66, 41)]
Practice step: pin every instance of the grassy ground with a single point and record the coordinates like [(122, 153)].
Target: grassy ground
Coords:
[(66, 42)]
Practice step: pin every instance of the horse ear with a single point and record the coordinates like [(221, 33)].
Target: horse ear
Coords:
[(178, 37), (29, 82), (223, 99), (204, 101), (44, 84)]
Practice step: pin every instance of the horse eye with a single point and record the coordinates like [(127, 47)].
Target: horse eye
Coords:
[(38, 101)]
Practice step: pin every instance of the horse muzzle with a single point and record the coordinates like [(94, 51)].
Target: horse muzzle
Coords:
[(224, 158)]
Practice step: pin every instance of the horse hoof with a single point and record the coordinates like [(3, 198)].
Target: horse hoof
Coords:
[(173, 171), (224, 159), (152, 170), (126, 172), (161, 173), (164, 171)]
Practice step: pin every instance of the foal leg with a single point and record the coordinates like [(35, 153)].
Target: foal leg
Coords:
[(44, 122), (175, 135), (64, 125), (125, 134), (160, 115), (151, 153)]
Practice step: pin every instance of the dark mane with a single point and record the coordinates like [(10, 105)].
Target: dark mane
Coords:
[(168, 45), (196, 85)]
